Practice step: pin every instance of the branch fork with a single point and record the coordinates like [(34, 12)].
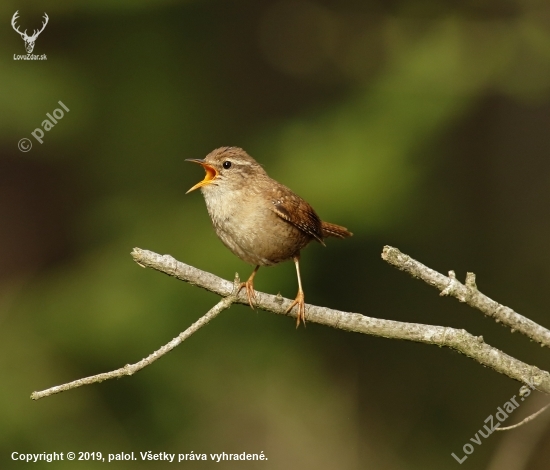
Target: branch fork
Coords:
[(459, 340)]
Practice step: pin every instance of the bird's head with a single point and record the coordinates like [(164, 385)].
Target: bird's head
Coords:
[(228, 168)]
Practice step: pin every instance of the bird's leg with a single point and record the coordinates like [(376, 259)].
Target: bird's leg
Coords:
[(299, 300), (249, 284)]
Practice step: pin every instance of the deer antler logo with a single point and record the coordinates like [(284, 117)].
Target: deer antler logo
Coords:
[(29, 40)]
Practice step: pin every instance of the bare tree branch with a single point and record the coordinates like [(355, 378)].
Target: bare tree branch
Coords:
[(524, 421), (130, 369), (515, 450), (469, 294), (459, 340)]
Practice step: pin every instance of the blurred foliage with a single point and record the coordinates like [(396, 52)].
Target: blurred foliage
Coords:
[(421, 124)]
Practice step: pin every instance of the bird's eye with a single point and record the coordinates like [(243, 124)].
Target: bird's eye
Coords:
[(227, 164)]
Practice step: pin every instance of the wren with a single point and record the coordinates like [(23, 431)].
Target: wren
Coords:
[(257, 218)]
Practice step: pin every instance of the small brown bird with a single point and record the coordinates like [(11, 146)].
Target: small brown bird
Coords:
[(258, 219)]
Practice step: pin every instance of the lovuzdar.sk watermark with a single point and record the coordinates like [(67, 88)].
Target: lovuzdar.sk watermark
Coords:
[(29, 40), (493, 423), (25, 144)]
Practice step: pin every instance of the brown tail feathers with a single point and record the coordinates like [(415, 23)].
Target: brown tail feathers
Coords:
[(333, 230)]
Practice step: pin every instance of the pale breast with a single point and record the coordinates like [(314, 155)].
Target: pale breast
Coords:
[(248, 226)]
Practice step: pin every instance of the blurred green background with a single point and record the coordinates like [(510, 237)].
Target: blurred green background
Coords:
[(420, 124)]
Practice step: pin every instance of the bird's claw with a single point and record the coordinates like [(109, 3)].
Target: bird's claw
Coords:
[(251, 294), (301, 315)]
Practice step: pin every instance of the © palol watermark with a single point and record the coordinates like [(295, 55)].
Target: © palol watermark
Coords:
[(25, 144), (29, 40), (501, 415)]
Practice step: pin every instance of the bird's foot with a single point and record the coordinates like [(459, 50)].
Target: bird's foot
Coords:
[(301, 316), (249, 285)]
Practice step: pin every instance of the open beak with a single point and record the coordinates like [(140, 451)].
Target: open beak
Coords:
[(211, 173)]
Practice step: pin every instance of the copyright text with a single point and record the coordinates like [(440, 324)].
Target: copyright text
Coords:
[(139, 456)]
